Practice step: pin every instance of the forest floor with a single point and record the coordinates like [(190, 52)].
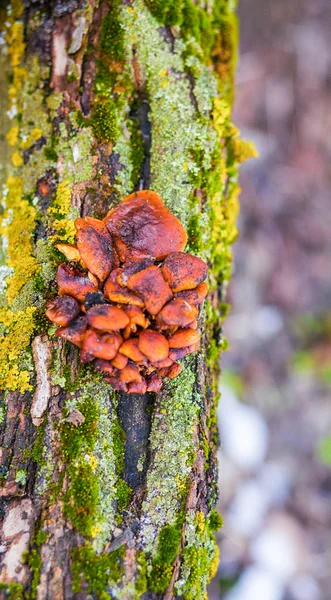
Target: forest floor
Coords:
[(275, 410)]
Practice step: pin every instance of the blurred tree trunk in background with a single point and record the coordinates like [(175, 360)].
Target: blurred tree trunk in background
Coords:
[(109, 495)]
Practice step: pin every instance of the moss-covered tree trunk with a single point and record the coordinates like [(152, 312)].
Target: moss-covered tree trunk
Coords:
[(109, 495)]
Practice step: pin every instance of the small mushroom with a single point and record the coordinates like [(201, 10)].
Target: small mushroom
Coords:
[(130, 374), (150, 285), (85, 357), (102, 345), (177, 312), (184, 271), (136, 316), (100, 227), (120, 361), (173, 371), (195, 296), (62, 310), (178, 353), (104, 366), (142, 226), (107, 318), (75, 332), (93, 299), (138, 387), (131, 268), (183, 338), (73, 282), (94, 249), (131, 349), (117, 384), (154, 383), (69, 251), (163, 363), (153, 345), (116, 293)]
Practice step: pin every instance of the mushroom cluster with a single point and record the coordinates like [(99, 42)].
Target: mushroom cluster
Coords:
[(129, 296)]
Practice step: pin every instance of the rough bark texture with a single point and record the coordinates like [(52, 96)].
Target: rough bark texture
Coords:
[(109, 495)]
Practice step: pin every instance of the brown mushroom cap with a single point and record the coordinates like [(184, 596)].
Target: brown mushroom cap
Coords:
[(174, 370), (150, 285), (178, 353), (120, 361), (153, 345), (131, 268), (75, 332), (73, 282), (178, 313), (184, 271), (102, 345), (130, 348), (116, 293), (104, 366), (195, 296), (94, 249), (138, 387), (107, 318), (85, 357), (62, 310), (130, 374), (163, 363), (154, 383), (69, 251), (142, 226), (117, 384), (136, 316), (183, 338)]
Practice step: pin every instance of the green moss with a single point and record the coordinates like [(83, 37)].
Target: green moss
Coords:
[(33, 559), (215, 521), (168, 547), (104, 120), (169, 12), (112, 33), (99, 571), (141, 579), (12, 591), (137, 151)]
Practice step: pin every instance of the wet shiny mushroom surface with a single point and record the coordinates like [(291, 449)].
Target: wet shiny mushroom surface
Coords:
[(129, 296)]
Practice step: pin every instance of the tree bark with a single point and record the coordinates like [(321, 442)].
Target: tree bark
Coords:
[(109, 495)]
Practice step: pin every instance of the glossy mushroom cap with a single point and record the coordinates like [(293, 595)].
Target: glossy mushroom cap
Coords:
[(142, 226)]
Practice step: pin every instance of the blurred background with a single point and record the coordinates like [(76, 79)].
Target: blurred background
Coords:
[(275, 409)]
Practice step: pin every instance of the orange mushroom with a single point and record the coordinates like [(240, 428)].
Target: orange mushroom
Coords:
[(62, 310), (137, 387), (75, 332), (142, 226), (136, 316), (95, 250), (173, 371), (195, 296), (183, 271), (116, 293), (130, 374), (131, 268), (183, 338), (178, 313), (150, 285), (120, 361), (73, 282), (117, 384), (107, 318), (153, 345), (178, 353), (154, 383), (69, 251), (130, 348), (102, 345), (104, 366)]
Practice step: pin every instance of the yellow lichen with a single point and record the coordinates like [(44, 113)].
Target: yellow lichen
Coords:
[(17, 226), (33, 136), (12, 135), (18, 330), (60, 216), (215, 562), (17, 159), (200, 520)]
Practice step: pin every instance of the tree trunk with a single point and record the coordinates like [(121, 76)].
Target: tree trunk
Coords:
[(108, 495)]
